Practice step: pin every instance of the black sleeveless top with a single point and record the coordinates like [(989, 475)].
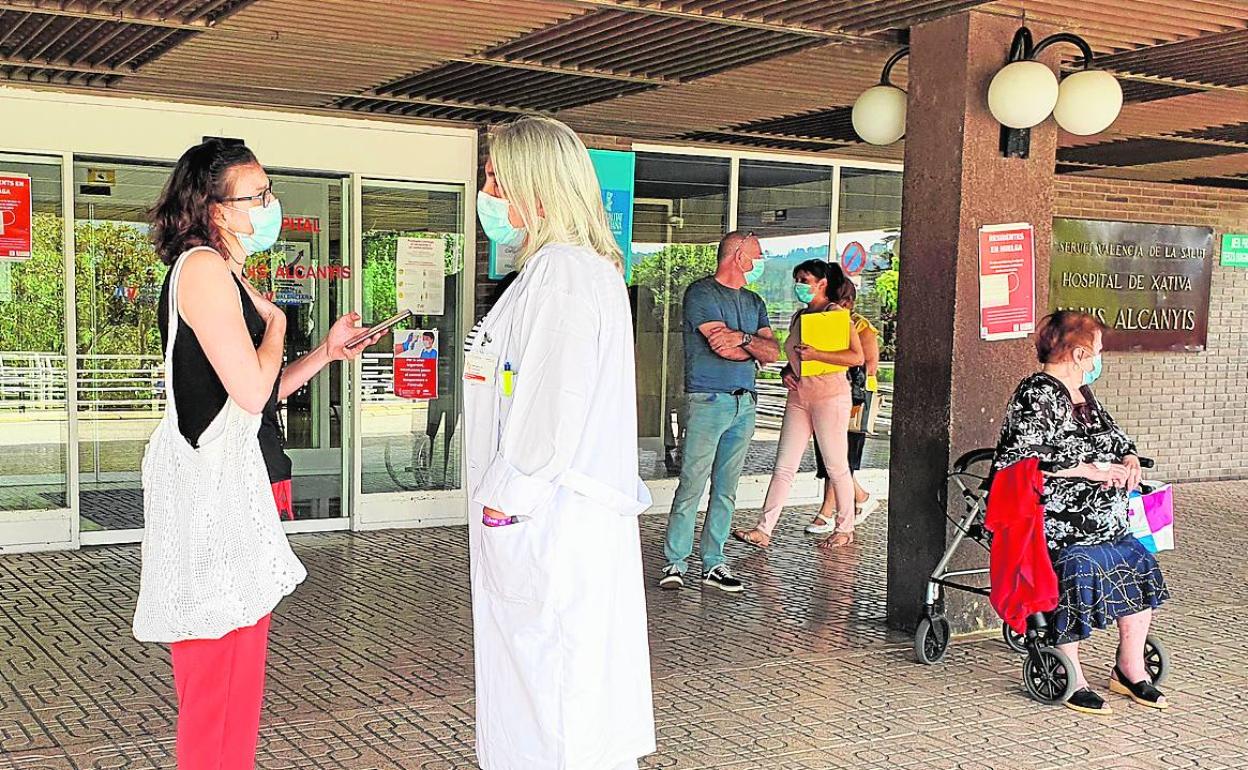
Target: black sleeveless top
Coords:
[(199, 393)]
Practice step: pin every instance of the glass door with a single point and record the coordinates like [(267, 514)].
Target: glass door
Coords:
[(412, 258), (35, 495), (119, 357)]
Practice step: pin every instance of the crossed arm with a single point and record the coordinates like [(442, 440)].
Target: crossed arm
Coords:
[(726, 343)]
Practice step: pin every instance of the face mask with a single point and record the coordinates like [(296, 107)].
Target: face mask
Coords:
[(756, 271), (805, 294), (266, 226), (1094, 375), (498, 228)]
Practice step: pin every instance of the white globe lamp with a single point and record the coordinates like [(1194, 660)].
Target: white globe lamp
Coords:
[(1088, 102), (879, 115), (1022, 94)]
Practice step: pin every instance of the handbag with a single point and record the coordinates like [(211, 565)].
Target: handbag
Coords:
[(214, 555), (857, 376), (1150, 516)]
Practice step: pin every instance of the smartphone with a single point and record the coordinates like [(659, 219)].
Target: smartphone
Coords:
[(380, 328)]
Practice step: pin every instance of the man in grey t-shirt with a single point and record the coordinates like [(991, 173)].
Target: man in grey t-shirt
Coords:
[(726, 335)]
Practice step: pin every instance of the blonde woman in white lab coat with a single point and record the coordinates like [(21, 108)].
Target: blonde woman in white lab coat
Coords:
[(559, 616)]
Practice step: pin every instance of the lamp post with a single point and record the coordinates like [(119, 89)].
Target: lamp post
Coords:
[(1025, 92), (879, 114)]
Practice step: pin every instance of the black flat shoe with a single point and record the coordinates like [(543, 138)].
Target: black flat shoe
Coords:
[(1142, 692), (1086, 701)]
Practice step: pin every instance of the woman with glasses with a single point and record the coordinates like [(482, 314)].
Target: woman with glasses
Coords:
[(550, 424), (215, 475)]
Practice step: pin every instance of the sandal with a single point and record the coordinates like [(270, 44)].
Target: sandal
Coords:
[(839, 540), (1086, 701), (1142, 692), (754, 537), (868, 507), (820, 529)]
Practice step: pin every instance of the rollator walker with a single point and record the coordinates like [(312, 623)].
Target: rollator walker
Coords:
[(1048, 675)]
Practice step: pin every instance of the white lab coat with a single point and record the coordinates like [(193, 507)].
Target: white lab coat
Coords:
[(559, 615)]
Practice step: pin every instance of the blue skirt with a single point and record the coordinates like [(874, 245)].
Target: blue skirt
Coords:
[(1100, 583)]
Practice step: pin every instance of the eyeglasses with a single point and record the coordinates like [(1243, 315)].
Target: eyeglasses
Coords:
[(737, 251), (261, 198)]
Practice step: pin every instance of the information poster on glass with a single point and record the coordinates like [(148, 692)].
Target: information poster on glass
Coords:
[(16, 235), (419, 267), (416, 363)]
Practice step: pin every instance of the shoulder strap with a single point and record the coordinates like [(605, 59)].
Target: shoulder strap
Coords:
[(175, 319)]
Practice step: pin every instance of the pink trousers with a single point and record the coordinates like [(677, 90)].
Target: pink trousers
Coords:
[(220, 685), (826, 418)]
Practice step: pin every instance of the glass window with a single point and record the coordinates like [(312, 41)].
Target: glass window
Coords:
[(679, 215), (411, 444), (869, 234), (34, 415), (789, 207)]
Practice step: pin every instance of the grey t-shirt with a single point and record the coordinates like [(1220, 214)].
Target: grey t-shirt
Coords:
[(741, 309)]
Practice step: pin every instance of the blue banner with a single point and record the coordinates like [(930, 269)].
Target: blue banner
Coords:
[(616, 172)]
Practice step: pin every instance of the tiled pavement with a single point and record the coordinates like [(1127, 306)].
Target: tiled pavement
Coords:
[(371, 665)]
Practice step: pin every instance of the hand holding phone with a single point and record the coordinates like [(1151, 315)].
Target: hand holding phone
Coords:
[(380, 328)]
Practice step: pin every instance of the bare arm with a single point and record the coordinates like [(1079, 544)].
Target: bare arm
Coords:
[(871, 352), (332, 348), (209, 301), (297, 374), (726, 343)]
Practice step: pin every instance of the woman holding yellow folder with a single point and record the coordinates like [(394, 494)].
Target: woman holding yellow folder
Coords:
[(822, 344)]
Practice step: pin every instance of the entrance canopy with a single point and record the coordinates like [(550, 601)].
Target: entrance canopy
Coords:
[(773, 74)]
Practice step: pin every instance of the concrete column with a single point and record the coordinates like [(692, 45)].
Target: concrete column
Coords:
[(952, 387)]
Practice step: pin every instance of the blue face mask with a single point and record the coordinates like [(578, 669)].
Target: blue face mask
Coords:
[(805, 294), (498, 228), (756, 271), (266, 226), (1095, 374)]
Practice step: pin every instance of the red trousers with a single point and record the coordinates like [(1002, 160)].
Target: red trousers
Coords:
[(220, 684)]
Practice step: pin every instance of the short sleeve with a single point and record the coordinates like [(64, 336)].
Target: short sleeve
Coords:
[(763, 321), (700, 307)]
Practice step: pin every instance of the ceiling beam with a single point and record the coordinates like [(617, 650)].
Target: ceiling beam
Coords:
[(63, 66), (555, 69), (830, 36), (79, 10)]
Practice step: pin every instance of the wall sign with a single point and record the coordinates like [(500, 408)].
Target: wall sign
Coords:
[(16, 235), (1234, 250), (416, 363), (1148, 283), (854, 258), (1007, 281), (616, 172)]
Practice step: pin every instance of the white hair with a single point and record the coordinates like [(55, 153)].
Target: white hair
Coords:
[(543, 166)]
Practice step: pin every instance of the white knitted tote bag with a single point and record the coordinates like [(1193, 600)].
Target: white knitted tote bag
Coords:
[(215, 557)]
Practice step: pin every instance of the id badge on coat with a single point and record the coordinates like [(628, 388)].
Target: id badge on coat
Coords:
[(480, 368)]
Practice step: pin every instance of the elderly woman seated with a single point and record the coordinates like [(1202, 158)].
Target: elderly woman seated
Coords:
[(1090, 466)]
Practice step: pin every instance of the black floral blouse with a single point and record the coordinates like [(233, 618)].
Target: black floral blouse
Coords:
[(1043, 422)]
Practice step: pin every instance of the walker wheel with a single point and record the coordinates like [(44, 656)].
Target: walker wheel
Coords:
[(1156, 659), (931, 640), (1016, 642), (1049, 676)]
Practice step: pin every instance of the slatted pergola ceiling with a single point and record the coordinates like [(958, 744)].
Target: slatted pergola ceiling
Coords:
[(778, 75)]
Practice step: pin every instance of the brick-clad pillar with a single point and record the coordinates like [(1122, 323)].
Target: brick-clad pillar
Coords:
[(952, 387)]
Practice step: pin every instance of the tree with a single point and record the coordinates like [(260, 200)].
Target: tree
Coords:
[(34, 320), (669, 272)]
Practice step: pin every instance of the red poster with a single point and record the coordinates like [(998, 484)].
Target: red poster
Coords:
[(1007, 281), (15, 232), (416, 363)]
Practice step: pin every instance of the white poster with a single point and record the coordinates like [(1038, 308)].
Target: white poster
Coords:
[(419, 268), (6, 282)]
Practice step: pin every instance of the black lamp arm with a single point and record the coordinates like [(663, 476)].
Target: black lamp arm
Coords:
[(892, 62), (1066, 37)]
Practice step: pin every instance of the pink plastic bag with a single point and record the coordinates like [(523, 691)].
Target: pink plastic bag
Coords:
[(1151, 516)]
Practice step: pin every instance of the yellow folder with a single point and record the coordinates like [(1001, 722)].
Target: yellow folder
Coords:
[(825, 331)]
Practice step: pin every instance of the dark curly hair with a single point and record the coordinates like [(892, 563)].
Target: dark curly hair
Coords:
[(182, 217)]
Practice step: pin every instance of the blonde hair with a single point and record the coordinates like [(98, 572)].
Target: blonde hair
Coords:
[(540, 160)]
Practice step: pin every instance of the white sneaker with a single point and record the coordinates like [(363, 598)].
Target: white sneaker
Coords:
[(869, 507), (827, 527)]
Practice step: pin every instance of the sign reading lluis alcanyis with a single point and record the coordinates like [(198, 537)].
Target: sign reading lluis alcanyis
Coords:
[(1148, 283)]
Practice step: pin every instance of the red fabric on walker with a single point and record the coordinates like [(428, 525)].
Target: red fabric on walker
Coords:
[(1023, 581)]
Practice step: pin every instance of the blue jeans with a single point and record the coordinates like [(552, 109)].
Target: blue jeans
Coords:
[(717, 438)]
